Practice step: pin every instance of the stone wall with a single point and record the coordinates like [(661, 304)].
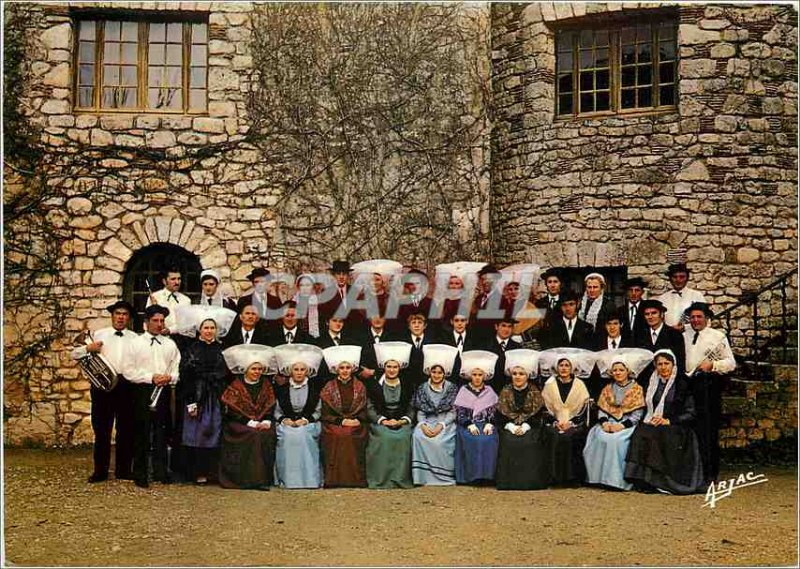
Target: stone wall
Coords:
[(717, 177)]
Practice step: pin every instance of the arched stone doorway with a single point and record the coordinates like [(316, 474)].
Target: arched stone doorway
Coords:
[(148, 262)]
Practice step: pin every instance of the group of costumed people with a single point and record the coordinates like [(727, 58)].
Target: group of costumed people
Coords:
[(349, 401)]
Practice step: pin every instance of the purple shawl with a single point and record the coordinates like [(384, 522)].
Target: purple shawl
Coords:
[(469, 400)]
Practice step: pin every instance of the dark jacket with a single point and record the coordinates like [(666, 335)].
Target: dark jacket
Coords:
[(555, 335)]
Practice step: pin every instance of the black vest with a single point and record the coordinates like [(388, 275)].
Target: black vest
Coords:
[(282, 394), (375, 394)]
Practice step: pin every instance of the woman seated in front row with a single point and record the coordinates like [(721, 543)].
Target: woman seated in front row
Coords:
[(620, 408), (567, 400), (663, 454), (523, 462), (297, 413), (434, 440), (389, 412), (248, 435), (476, 404), (344, 419)]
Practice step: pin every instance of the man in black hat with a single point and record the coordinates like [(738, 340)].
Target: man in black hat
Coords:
[(154, 362), (261, 298), (170, 296), (115, 405), (551, 300), (659, 336), (709, 360), (500, 343), (488, 297), (630, 313), (679, 297), (339, 302), (564, 328)]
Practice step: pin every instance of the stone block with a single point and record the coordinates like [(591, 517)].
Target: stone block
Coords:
[(691, 34), (747, 255), (116, 249), (175, 230), (221, 79), (57, 37), (116, 122), (722, 51), (79, 206), (58, 76), (698, 68), (55, 107), (162, 228), (86, 222), (694, 171), (104, 277), (160, 139), (211, 125)]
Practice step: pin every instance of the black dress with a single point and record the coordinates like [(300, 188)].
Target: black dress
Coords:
[(566, 456), (523, 462)]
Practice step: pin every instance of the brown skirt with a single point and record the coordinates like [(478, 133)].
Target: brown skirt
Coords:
[(344, 455), (247, 457)]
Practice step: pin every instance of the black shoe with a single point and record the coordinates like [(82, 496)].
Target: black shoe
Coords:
[(97, 477), (124, 476), (142, 483), (164, 479)]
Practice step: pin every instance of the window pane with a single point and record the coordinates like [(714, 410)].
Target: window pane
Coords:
[(566, 41), (130, 53), (112, 31), (565, 84), (667, 95), (86, 52), (666, 72), (666, 51), (565, 61), (127, 97), (157, 32), (111, 53), (174, 76), (645, 97), (666, 31), (197, 100), (587, 59), (155, 76), (601, 78), (628, 76), (130, 31), (86, 96), (601, 37), (152, 98), (643, 33), (565, 105), (87, 30), (645, 53), (587, 81), (174, 54), (199, 33), (110, 75), (198, 77), (602, 100), (587, 38), (86, 75), (628, 54), (108, 98), (129, 76), (198, 55), (645, 75), (156, 56), (175, 32), (628, 98), (601, 58), (587, 103), (628, 35)]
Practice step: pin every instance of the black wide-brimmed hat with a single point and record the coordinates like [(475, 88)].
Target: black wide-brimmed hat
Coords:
[(257, 272), (340, 267), (553, 272), (677, 268), (120, 304), (653, 303), (154, 309), (703, 306), (635, 281)]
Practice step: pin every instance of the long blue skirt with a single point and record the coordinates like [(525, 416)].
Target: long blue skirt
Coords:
[(604, 455), (433, 459), (297, 462), (476, 455), (389, 457), (204, 430)]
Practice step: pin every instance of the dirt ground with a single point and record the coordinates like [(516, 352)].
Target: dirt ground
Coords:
[(53, 517)]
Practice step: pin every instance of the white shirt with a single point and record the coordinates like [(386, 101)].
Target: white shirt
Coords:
[(247, 335), (676, 303), (618, 339), (114, 347), (655, 332), (170, 300), (147, 358), (375, 333), (293, 331), (463, 339), (570, 327), (709, 339)]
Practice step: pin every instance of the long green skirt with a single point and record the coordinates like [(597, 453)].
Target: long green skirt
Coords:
[(389, 457)]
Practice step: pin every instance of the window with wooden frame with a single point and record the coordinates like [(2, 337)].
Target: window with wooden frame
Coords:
[(146, 64), (617, 67)]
